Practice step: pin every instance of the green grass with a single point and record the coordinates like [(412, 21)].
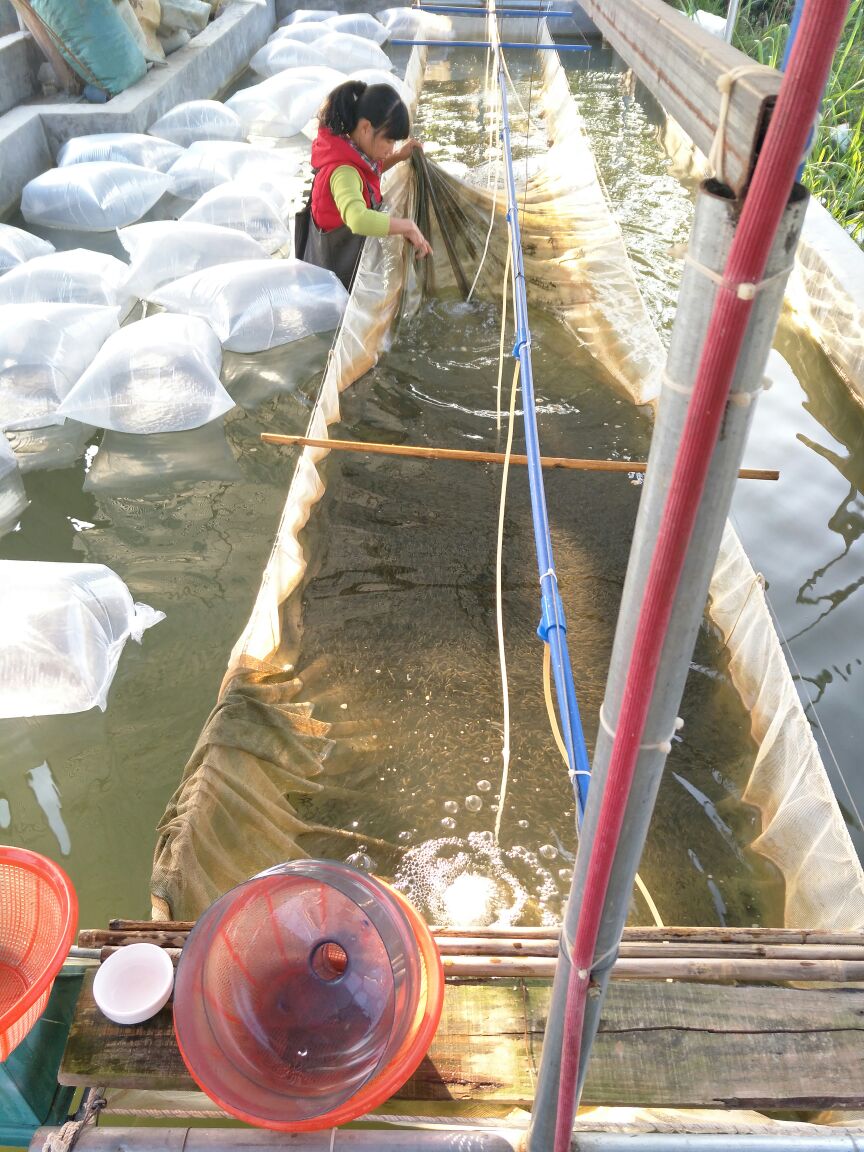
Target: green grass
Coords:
[(834, 172)]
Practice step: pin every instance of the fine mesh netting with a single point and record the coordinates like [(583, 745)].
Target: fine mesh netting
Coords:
[(238, 808)]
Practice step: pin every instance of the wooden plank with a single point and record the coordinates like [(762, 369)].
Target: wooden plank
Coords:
[(660, 1044), (680, 63)]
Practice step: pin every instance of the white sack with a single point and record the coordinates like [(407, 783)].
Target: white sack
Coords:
[(412, 24), (255, 211), (122, 148), (309, 16), (360, 24), (54, 446), (209, 163), (254, 306), (376, 76), (189, 15), (300, 33), (18, 246), (44, 348), (280, 106), (198, 120), (92, 197), (352, 52), (165, 250), (157, 375), (78, 276), (63, 628), (281, 54)]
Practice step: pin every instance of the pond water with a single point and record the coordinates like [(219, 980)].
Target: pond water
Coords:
[(399, 621)]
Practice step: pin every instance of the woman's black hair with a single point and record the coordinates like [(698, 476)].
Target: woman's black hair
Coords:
[(353, 101)]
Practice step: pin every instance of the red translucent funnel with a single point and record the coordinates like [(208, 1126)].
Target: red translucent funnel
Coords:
[(301, 990)]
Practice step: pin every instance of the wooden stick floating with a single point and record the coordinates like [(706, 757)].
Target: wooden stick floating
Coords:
[(416, 451)]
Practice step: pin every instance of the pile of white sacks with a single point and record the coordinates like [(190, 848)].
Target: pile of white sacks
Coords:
[(222, 270), (217, 274)]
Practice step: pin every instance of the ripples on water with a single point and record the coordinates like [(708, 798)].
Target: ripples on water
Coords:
[(399, 641)]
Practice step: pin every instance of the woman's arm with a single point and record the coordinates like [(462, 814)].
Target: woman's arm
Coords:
[(346, 184)]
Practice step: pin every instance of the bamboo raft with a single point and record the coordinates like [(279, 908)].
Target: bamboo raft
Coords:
[(677, 1030)]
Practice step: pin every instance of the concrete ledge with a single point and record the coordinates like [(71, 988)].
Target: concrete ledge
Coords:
[(200, 70), (19, 63)]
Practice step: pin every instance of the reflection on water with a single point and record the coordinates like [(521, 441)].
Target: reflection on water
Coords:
[(804, 533)]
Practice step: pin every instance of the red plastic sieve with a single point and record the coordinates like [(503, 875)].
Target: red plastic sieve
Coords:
[(38, 917), (299, 991)]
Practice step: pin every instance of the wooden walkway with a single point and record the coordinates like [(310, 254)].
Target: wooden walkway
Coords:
[(661, 1043)]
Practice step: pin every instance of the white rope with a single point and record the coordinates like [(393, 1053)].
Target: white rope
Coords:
[(499, 607), (664, 746), (503, 333), (725, 83), (64, 1138), (499, 157)]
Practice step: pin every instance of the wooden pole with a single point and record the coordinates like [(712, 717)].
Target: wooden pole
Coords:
[(416, 451)]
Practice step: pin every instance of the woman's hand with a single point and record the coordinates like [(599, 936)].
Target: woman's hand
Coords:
[(403, 153), (399, 226)]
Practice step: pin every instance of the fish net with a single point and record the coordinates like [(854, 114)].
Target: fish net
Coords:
[(262, 749)]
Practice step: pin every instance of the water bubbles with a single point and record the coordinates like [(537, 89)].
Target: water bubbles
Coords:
[(522, 823), (485, 759), (484, 786), (449, 823), (361, 860), (548, 852), (565, 874), (473, 803), (451, 807), (405, 836)]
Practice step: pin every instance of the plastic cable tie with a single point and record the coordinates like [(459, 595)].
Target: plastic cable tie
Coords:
[(664, 746), (674, 386), (551, 610), (745, 290)]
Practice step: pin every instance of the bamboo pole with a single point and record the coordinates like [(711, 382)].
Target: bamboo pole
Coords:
[(416, 451)]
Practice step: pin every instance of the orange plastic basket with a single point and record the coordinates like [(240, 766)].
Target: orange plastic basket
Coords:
[(38, 917)]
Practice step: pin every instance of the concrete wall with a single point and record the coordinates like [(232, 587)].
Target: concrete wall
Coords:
[(19, 63), (31, 135), (8, 18)]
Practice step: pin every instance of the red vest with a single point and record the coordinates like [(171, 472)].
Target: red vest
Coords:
[(330, 152)]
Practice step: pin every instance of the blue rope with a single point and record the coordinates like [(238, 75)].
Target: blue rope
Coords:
[(552, 628)]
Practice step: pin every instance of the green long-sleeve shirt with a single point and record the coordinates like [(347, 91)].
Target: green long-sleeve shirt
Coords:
[(346, 184)]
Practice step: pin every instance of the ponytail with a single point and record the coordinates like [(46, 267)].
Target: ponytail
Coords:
[(353, 101)]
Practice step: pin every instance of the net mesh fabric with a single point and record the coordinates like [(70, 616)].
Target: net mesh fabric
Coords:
[(232, 814)]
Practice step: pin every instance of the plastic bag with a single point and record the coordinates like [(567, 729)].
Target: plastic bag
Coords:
[(254, 306), (121, 148), (198, 120), (92, 197), (255, 211), (352, 52), (63, 627), (299, 33), (13, 498), (309, 16), (360, 24), (44, 348), (276, 57), (413, 24), (78, 276), (18, 246), (157, 375), (94, 41), (51, 447), (190, 15), (209, 163), (280, 106), (376, 76), (165, 250)]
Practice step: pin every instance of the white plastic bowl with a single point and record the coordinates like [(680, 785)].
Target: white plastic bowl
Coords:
[(134, 983)]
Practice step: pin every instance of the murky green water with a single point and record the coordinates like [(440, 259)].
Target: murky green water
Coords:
[(399, 620)]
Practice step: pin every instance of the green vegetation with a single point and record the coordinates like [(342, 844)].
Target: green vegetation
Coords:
[(834, 172)]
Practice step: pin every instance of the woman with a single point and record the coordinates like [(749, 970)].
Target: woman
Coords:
[(358, 125)]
